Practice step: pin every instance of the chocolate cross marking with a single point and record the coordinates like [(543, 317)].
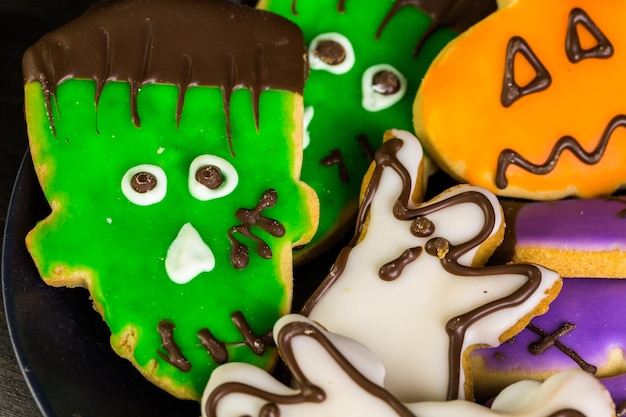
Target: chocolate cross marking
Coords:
[(551, 339)]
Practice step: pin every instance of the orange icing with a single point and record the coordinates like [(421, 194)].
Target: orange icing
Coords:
[(465, 127)]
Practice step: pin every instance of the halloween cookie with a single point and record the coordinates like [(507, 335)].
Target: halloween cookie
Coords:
[(411, 286), (147, 121), (333, 375), (584, 328), (539, 112), (575, 237), (366, 61)]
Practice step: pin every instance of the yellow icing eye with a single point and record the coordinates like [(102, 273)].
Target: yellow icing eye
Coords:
[(211, 177), (331, 52), (383, 86), (144, 184)]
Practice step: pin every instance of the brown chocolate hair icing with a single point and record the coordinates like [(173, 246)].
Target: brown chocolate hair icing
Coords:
[(449, 254), (457, 15), (511, 157), (184, 42)]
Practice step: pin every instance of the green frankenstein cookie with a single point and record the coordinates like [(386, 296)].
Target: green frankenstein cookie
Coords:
[(167, 138), (367, 59)]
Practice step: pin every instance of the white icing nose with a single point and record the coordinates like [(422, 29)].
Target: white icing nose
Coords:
[(188, 256)]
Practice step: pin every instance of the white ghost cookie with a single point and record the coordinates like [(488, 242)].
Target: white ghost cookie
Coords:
[(411, 286)]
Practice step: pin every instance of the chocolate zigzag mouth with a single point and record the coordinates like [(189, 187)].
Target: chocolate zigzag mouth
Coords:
[(510, 157)]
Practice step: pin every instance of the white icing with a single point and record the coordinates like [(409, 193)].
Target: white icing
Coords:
[(403, 321), (188, 256), (201, 192), (345, 397), (150, 197), (309, 112), (317, 64), (374, 101)]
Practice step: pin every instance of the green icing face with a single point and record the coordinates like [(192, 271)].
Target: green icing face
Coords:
[(96, 236), (339, 120)]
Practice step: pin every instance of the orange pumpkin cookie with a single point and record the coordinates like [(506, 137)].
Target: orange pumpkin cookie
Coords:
[(528, 102)]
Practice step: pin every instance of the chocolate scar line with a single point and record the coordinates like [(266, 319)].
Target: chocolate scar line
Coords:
[(216, 348), (510, 157), (239, 254)]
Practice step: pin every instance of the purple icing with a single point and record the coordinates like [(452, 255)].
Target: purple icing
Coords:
[(576, 224), (596, 307)]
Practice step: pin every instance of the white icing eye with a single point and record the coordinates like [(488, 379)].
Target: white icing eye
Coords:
[(211, 177), (383, 86), (144, 184), (331, 52)]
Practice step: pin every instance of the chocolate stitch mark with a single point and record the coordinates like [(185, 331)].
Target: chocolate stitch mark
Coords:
[(335, 158), (217, 349), (552, 340), (174, 356), (511, 157), (239, 255), (367, 147)]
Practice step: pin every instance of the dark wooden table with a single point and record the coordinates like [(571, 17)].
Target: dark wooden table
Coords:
[(22, 22)]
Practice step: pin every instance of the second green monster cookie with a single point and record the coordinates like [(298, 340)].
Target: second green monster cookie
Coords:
[(366, 61)]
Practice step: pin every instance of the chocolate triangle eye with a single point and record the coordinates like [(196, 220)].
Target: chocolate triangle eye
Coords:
[(573, 48), (511, 91)]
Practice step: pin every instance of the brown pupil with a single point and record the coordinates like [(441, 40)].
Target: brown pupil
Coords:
[(210, 176), (142, 182), (385, 82), (331, 52)]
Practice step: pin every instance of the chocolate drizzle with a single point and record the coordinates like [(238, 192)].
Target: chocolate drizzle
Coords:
[(308, 392), (174, 355), (217, 349), (549, 340), (335, 158), (448, 254), (511, 157), (185, 43), (367, 147), (511, 91), (573, 48), (239, 255), (457, 15), (392, 270)]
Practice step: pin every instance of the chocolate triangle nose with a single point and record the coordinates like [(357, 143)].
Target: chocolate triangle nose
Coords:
[(188, 256)]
